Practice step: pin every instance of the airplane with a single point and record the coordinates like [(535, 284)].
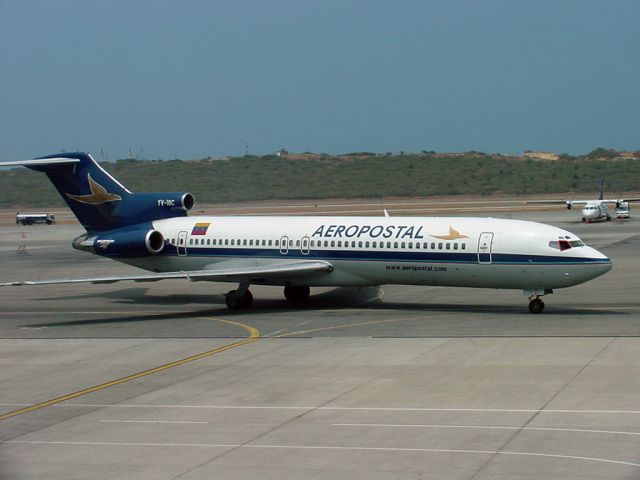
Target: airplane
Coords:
[(595, 210), (153, 231)]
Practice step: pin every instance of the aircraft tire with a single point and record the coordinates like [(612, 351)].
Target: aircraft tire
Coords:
[(297, 293), (234, 302), (536, 305), (608, 218)]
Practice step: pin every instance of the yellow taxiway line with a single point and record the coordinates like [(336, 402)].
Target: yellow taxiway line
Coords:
[(253, 336)]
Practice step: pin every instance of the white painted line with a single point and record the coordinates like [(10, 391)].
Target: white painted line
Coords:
[(481, 427), (149, 421), (311, 407), (319, 447)]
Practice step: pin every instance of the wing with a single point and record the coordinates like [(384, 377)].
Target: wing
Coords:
[(552, 202), (558, 202), (281, 270)]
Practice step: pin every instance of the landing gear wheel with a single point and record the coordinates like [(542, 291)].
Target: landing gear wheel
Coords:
[(296, 294), (584, 220), (536, 305), (236, 302), (608, 218)]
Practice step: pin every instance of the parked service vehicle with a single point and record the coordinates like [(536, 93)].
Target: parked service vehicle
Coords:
[(622, 210), (31, 218)]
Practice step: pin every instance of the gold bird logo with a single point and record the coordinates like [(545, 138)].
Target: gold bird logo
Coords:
[(98, 196), (453, 235)]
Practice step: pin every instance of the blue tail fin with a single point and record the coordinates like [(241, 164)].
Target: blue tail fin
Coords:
[(98, 200)]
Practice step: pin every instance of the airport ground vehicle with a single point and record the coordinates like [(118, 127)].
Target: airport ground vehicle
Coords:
[(32, 218), (622, 209)]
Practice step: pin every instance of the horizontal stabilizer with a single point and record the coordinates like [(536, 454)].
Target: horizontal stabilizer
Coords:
[(40, 162), (281, 270)]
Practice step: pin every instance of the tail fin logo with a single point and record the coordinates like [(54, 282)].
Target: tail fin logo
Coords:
[(98, 196)]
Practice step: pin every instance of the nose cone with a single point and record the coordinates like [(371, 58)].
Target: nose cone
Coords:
[(601, 263)]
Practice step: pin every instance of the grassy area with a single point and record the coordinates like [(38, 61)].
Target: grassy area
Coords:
[(356, 176)]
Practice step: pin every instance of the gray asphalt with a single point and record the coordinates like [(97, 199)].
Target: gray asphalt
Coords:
[(395, 382)]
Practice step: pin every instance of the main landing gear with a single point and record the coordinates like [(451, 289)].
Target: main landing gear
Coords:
[(536, 305), (242, 298), (296, 293), (236, 299)]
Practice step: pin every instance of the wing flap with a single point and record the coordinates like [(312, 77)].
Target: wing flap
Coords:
[(288, 270)]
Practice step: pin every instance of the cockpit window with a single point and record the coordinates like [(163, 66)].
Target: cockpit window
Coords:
[(563, 245)]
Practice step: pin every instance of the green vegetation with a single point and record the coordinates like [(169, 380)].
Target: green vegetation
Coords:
[(360, 175)]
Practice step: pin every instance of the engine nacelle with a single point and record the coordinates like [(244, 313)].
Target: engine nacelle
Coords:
[(141, 207), (123, 242), (569, 205)]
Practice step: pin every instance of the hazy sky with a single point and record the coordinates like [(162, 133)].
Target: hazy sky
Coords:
[(198, 78)]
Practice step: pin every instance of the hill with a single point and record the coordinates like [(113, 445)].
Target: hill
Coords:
[(365, 175)]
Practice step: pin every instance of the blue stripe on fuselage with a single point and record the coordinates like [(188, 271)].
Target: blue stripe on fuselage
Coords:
[(381, 256)]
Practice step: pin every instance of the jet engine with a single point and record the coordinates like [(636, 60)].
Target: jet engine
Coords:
[(122, 242)]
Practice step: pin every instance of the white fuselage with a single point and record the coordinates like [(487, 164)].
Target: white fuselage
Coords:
[(464, 252), (594, 211)]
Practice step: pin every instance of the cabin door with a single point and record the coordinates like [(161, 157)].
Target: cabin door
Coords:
[(182, 244), (484, 247), (304, 247), (284, 245)]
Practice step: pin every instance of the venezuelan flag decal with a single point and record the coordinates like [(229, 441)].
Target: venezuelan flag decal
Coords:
[(200, 229)]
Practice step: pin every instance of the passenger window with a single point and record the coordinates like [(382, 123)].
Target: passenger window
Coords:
[(353, 244), (440, 246), (339, 243), (244, 242), (277, 242), (366, 244), (312, 243), (464, 246), (410, 244), (425, 245), (388, 244), (448, 246), (375, 245), (270, 243), (333, 243), (233, 241), (297, 243), (359, 244), (455, 246), (402, 245), (250, 242), (395, 244), (433, 245), (264, 243), (291, 243), (326, 243)]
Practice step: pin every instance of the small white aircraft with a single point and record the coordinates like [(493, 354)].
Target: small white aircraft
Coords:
[(152, 231), (595, 210)]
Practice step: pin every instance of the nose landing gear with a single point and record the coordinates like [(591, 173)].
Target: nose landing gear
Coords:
[(536, 305)]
